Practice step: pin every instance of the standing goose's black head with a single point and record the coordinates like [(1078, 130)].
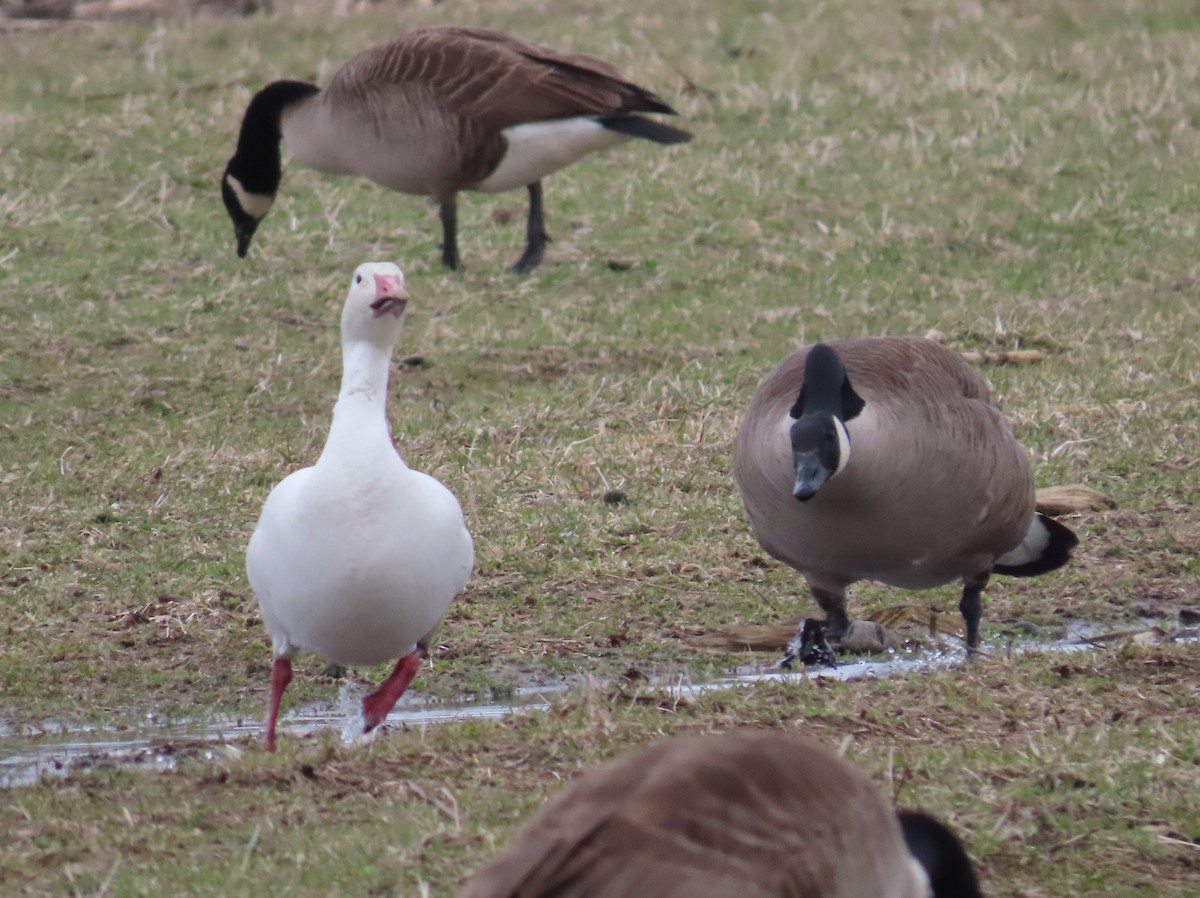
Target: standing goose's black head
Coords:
[(252, 177), (820, 443)]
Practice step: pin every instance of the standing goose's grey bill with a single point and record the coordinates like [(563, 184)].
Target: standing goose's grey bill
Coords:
[(742, 815), (888, 459), (437, 111)]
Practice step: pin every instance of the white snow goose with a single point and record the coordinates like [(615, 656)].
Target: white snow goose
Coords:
[(358, 557)]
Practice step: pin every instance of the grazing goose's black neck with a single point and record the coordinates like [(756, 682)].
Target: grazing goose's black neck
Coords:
[(252, 176), (256, 164), (826, 386)]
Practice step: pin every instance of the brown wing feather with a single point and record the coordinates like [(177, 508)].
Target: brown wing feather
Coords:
[(541, 52), (490, 79)]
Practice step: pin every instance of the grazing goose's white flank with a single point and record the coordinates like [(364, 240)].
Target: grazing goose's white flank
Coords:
[(358, 557), (887, 459), (745, 815), (437, 111)]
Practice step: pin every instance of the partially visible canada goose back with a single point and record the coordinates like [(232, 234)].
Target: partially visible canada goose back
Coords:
[(932, 461), (747, 814)]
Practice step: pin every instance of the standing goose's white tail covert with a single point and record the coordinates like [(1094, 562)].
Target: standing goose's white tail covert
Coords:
[(888, 459), (741, 815), (358, 557), (438, 111)]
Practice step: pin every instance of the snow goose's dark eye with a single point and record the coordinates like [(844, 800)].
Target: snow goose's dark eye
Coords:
[(358, 279)]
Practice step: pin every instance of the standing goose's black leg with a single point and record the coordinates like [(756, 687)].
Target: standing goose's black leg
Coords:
[(535, 233), (448, 213), (971, 607)]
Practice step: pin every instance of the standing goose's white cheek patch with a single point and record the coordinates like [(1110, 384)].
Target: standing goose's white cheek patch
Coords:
[(843, 444), (256, 205)]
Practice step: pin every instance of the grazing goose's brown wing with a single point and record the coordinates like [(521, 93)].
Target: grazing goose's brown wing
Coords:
[(539, 52), (749, 815), (489, 79)]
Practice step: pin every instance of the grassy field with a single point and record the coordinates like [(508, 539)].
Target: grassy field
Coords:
[(1014, 175)]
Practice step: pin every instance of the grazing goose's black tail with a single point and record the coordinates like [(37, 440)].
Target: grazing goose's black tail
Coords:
[(636, 126), (1047, 546)]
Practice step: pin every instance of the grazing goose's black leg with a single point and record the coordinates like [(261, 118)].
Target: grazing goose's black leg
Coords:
[(448, 212), (535, 233), (971, 607)]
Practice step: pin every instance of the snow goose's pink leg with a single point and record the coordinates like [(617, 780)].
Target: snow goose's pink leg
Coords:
[(281, 675), (379, 703)]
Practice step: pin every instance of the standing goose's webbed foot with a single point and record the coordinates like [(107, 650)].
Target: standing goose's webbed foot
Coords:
[(809, 646)]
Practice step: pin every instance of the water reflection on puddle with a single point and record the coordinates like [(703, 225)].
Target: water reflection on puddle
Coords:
[(53, 749)]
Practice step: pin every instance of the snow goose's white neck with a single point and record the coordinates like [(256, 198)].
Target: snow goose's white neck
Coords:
[(371, 323), (364, 374)]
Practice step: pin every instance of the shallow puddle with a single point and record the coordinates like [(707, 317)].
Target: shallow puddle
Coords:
[(52, 749)]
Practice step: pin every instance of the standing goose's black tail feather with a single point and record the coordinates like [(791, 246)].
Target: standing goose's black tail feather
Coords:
[(636, 126), (1046, 547)]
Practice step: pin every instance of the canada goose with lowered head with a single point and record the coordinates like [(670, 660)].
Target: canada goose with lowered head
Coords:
[(744, 815), (888, 459), (437, 111)]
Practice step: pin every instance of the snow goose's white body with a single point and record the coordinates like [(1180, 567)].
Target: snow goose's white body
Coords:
[(358, 557)]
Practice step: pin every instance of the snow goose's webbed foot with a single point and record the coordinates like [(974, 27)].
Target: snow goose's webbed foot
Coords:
[(379, 703)]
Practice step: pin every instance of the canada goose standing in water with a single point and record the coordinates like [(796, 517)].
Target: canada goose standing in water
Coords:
[(888, 459), (437, 111), (744, 815), (358, 557)]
